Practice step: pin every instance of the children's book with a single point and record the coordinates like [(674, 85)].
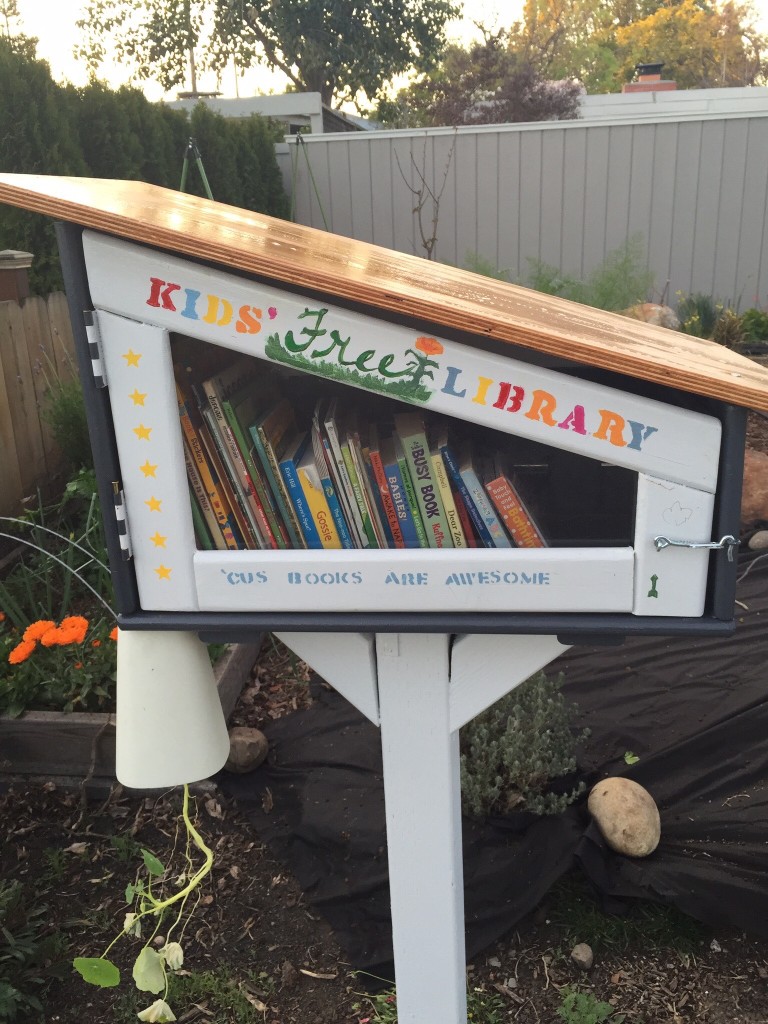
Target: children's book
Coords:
[(382, 485), (515, 515), (268, 434), (410, 494), (323, 464), (289, 459), (332, 435), (400, 502), (410, 429), (453, 468), (446, 496), (472, 473)]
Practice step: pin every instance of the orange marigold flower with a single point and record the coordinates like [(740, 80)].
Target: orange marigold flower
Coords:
[(78, 664), (75, 626), (429, 346), (95, 643), (113, 634), (2, 616), (37, 630), (21, 652), (52, 638)]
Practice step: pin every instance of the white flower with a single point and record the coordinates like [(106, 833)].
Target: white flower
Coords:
[(132, 925), (173, 955), (159, 1012)]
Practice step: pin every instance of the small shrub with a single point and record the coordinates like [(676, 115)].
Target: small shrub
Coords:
[(728, 330), (619, 282), (584, 1008), (480, 265), (698, 313), (754, 325), (64, 410), (511, 753)]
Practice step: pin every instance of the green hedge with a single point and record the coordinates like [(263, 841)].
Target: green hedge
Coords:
[(97, 132)]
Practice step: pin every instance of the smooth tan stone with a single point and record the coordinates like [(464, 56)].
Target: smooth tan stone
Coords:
[(626, 815), (758, 541), (248, 748)]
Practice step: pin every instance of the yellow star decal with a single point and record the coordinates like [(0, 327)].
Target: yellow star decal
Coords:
[(148, 469), (131, 358), (154, 504), (163, 572), (142, 432), (137, 397), (158, 540)]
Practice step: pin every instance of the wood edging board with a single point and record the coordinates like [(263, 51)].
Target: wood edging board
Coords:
[(393, 282), (60, 743)]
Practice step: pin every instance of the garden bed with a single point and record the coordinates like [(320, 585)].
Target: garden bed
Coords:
[(79, 745)]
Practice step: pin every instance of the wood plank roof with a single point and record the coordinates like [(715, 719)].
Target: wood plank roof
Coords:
[(396, 282)]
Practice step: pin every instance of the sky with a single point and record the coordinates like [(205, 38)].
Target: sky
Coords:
[(54, 25)]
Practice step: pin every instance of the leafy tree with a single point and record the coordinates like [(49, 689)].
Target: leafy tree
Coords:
[(338, 48), (702, 46), (485, 84)]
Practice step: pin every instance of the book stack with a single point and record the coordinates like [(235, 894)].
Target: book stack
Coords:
[(262, 476)]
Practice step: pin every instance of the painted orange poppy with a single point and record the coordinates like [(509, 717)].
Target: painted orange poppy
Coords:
[(429, 346)]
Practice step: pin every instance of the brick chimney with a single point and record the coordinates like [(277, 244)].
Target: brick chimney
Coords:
[(649, 80), (14, 275)]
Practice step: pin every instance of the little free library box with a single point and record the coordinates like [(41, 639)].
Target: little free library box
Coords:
[(426, 482), (622, 441)]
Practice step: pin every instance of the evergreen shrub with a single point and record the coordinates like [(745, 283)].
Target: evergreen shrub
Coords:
[(511, 753), (94, 131)]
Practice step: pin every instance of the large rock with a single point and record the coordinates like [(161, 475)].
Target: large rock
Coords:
[(626, 815), (653, 313), (754, 495)]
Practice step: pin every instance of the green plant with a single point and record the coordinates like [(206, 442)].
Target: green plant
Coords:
[(698, 313), (55, 869), (754, 325), (65, 667), (29, 952), (584, 1008), (64, 410), (728, 330), (511, 753), (125, 847), (158, 892), (480, 265), (619, 282)]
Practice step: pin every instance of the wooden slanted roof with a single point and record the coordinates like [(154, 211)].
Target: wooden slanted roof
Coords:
[(392, 281)]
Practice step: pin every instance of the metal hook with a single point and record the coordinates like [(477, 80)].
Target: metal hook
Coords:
[(728, 542)]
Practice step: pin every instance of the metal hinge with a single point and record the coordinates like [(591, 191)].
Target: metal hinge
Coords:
[(728, 543), (94, 348), (122, 522)]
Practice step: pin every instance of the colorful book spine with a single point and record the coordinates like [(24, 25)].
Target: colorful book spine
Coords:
[(224, 515), (332, 445), (234, 462), (358, 494), (483, 505), (516, 517), (454, 472), (399, 500), (446, 496), (289, 464), (314, 495), (267, 435), (323, 468), (201, 502), (238, 413), (410, 429), (410, 494), (201, 527), (466, 522), (383, 490)]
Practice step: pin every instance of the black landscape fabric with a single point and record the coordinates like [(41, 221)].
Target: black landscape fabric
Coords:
[(694, 711)]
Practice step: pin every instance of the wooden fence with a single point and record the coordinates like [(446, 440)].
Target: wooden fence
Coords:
[(36, 348)]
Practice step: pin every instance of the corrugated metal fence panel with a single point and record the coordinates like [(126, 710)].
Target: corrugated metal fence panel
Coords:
[(694, 189)]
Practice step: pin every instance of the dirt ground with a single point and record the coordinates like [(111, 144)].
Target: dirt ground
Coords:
[(271, 953)]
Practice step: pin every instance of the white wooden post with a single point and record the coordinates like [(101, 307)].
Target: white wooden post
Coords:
[(423, 811)]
